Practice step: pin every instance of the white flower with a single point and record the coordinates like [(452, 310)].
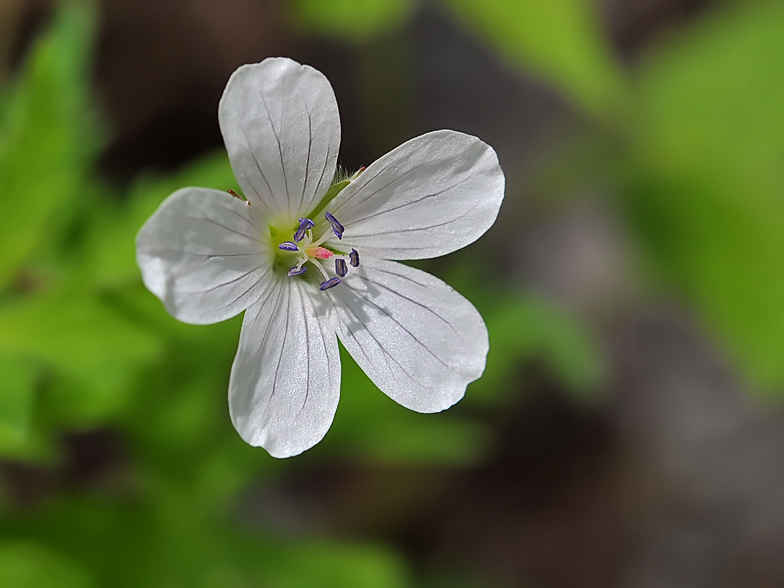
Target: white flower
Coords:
[(310, 267)]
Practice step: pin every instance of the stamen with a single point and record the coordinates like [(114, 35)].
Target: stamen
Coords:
[(304, 225), (311, 251), (320, 268), (288, 246), (331, 283), (336, 226)]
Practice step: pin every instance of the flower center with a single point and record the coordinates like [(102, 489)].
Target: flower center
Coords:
[(310, 250)]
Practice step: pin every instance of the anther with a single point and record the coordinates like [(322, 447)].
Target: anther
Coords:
[(336, 226), (331, 283), (295, 271), (353, 258), (304, 225), (341, 268), (288, 246)]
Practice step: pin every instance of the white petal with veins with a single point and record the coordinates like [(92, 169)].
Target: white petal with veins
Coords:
[(209, 256), (432, 195), (285, 381), (201, 253), (416, 338), (281, 127)]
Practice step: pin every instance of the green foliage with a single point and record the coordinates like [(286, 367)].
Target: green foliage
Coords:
[(81, 339), (521, 330), (17, 393), (525, 329), (170, 544), (558, 40), (47, 139), (113, 223), (372, 427), (354, 20), (68, 357), (29, 565), (707, 178)]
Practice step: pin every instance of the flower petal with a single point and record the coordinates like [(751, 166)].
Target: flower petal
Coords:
[(201, 253), (416, 338), (432, 195), (281, 127), (285, 381)]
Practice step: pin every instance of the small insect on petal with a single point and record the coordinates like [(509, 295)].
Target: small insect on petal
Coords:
[(331, 283), (341, 268), (288, 246), (353, 258), (336, 226)]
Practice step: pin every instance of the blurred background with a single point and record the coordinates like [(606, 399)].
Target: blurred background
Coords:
[(628, 430)]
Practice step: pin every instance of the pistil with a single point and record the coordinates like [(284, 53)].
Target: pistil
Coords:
[(313, 252)]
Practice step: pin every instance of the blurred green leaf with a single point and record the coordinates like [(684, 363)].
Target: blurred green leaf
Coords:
[(355, 20), (190, 421), (527, 328), (707, 179), (113, 226), (24, 564), (521, 329), (559, 40), (372, 425), (330, 565), (176, 543), (47, 138), (81, 338), (17, 393)]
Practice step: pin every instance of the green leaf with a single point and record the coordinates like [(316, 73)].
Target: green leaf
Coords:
[(558, 40), (331, 565), (113, 228), (17, 394), (172, 541), (47, 139), (707, 178), (527, 328), (372, 425), (354, 20), (24, 564), (82, 339), (521, 329)]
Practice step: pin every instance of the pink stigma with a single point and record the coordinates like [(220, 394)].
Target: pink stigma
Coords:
[(319, 252)]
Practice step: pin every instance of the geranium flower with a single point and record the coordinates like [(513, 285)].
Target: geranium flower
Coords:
[(311, 261)]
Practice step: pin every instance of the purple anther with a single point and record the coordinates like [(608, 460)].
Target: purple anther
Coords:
[(336, 226), (295, 271), (288, 246), (331, 283), (304, 225), (353, 258), (341, 268)]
